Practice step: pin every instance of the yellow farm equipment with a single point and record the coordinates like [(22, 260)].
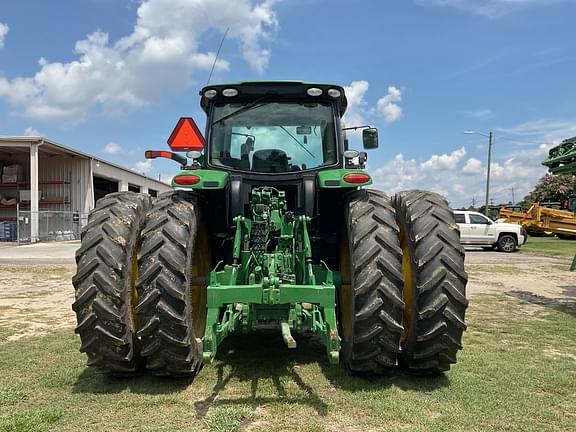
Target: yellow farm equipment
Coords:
[(538, 219)]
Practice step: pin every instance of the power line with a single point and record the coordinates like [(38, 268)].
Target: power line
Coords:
[(500, 137)]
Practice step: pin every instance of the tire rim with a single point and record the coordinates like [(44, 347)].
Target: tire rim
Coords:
[(508, 244), (199, 276), (346, 294), (408, 290)]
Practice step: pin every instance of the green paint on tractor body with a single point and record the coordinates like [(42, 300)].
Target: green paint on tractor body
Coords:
[(272, 282), (562, 158), (335, 178), (213, 179)]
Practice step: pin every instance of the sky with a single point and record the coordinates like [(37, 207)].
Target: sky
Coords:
[(112, 77)]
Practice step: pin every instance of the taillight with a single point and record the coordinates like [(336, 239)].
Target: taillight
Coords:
[(186, 180), (356, 178)]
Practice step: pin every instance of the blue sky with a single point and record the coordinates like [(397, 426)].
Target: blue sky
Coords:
[(112, 77)]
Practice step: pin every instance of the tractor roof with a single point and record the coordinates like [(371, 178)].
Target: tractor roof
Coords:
[(252, 90)]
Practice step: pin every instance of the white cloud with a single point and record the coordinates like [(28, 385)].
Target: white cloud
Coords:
[(488, 8), (160, 56), (30, 131), (542, 130), (462, 180), (142, 167), (472, 166), (3, 32), (360, 113), (388, 106), (444, 161), (356, 112), (112, 148)]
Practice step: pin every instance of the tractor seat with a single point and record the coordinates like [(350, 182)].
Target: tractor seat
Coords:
[(270, 160)]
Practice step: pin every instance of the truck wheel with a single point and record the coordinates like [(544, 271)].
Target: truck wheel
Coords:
[(370, 297), (174, 264), (507, 243), (434, 282), (104, 282)]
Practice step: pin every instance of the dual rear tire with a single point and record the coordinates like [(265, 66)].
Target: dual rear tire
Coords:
[(105, 282), (406, 284), (139, 287)]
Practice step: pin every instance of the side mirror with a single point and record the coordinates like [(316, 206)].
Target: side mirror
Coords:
[(370, 138)]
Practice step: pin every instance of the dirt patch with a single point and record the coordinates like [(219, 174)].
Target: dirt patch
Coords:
[(36, 299), (555, 353), (532, 275)]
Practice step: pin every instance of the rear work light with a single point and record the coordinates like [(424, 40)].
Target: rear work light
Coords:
[(230, 92), (210, 94), (356, 178), (314, 91), (335, 93), (186, 180)]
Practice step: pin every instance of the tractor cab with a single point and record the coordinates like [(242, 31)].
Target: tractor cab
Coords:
[(282, 134), (270, 128)]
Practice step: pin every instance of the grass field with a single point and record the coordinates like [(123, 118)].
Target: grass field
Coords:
[(516, 373), (551, 246)]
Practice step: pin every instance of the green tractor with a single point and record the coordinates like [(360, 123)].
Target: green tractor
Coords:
[(270, 228)]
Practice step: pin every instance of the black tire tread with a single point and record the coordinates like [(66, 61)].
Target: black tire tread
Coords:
[(103, 302), (164, 309), (377, 282), (437, 262)]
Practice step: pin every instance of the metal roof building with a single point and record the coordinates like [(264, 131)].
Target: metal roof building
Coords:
[(47, 189)]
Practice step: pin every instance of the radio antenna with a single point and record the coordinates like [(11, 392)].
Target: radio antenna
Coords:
[(217, 55)]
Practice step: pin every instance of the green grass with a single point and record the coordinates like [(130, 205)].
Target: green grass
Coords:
[(4, 333), (491, 268), (550, 246), (517, 372)]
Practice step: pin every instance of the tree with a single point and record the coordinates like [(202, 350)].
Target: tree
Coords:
[(552, 187)]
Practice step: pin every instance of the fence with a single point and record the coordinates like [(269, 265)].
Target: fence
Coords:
[(52, 226)]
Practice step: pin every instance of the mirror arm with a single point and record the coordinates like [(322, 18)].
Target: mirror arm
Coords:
[(357, 127)]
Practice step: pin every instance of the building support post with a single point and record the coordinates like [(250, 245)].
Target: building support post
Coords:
[(34, 196), (122, 185)]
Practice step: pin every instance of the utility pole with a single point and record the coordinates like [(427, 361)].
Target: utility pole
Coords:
[(513, 200), (490, 138), (488, 172)]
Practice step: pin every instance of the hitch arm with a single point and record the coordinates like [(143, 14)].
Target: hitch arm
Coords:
[(153, 154)]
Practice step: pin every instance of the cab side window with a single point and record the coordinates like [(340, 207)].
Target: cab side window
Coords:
[(459, 218), (479, 219)]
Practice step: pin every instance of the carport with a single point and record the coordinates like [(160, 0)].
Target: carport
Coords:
[(56, 187)]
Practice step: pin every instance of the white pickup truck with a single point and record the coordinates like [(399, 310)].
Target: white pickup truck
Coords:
[(479, 230)]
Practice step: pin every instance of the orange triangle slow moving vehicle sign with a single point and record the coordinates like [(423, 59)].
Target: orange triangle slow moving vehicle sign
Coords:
[(186, 136)]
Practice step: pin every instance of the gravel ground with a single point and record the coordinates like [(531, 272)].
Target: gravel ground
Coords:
[(36, 298)]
